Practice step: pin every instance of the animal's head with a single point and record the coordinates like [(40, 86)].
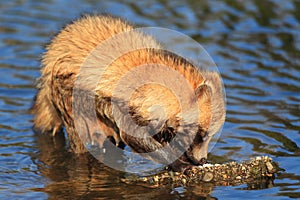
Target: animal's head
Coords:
[(210, 101), (167, 99)]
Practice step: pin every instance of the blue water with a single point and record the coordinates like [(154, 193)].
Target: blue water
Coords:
[(255, 44)]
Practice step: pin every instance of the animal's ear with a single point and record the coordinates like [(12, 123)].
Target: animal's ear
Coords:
[(203, 95), (203, 92)]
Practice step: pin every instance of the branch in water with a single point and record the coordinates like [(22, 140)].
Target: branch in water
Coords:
[(232, 173)]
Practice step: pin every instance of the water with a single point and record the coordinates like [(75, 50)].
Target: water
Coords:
[(256, 45)]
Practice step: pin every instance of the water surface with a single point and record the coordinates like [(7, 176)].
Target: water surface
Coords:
[(256, 45)]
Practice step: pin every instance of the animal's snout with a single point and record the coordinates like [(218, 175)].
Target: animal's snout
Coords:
[(197, 153)]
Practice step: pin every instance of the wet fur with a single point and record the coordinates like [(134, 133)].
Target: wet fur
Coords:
[(61, 64)]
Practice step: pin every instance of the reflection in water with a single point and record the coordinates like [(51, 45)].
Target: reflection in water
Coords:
[(76, 176), (256, 45), (83, 176)]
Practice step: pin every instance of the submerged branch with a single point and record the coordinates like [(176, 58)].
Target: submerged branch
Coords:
[(232, 173)]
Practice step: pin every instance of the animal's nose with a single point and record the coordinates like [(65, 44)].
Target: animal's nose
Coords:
[(202, 161), (198, 152)]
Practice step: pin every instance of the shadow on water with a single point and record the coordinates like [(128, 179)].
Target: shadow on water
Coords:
[(255, 44)]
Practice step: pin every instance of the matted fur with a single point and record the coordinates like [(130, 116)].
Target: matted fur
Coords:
[(61, 64)]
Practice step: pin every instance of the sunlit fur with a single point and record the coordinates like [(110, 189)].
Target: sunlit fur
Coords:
[(61, 63)]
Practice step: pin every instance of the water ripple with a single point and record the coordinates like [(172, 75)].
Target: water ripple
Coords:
[(256, 45)]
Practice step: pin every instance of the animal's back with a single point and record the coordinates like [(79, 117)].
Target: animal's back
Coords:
[(62, 61)]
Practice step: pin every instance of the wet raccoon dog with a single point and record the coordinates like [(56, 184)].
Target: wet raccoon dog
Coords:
[(65, 56)]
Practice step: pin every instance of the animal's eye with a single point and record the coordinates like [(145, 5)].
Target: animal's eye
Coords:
[(198, 138), (202, 132), (206, 134)]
